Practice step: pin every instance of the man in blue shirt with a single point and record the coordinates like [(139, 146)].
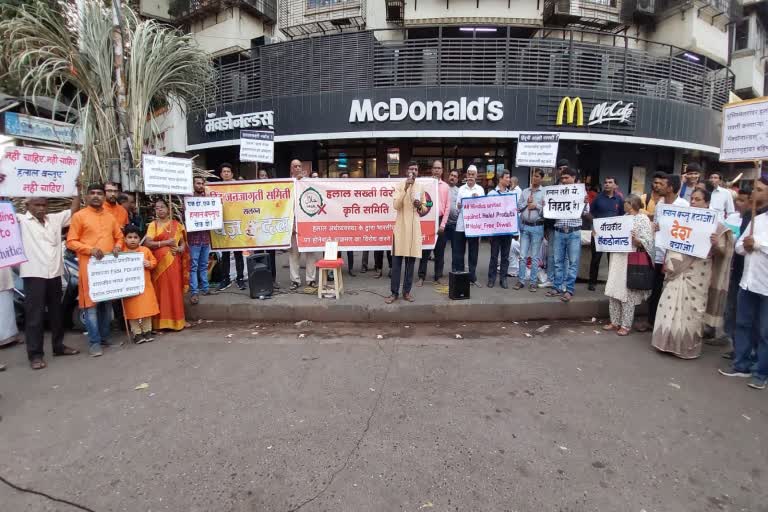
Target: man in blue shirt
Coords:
[(606, 204)]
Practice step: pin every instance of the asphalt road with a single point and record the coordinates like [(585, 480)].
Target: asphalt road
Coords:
[(337, 420)]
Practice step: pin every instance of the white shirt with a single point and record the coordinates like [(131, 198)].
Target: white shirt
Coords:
[(465, 191), (722, 201), (43, 244), (517, 190), (755, 277), (660, 252)]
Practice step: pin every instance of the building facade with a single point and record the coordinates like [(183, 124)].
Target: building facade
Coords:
[(365, 86)]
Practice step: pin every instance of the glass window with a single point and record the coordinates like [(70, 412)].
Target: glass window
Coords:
[(742, 35), (393, 161)]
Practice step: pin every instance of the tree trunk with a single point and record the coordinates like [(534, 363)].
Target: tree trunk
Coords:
[(126, 144)]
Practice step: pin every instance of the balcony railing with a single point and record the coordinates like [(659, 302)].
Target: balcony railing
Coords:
[(591, 14), (307, 17), (359, 60), (183, 10)]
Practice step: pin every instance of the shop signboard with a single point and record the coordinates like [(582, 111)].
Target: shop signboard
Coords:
[(537, 149), (167, 175), (256, 214), (745, 131), (116, 278), (613, 234), (23, 126), (360, 214), (257, 146), (685, 229), (38, 172), (492, 215)]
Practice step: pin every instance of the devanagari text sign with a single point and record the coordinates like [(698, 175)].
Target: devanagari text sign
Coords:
[(745, 131), (537, 149), (614, 234), (116, 278), (203, 213), (167, 175), (493, 215), (38, 172), (564, 201), (685, 230), (11, 246), (257, 146)]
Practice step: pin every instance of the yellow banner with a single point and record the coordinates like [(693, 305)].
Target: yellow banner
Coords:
[(257, 214)]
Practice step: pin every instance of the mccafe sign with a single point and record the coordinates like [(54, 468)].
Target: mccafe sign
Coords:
[(400, 109), (571, 112)]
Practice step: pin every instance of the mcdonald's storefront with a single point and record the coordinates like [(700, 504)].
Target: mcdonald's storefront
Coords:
[(377, 132)]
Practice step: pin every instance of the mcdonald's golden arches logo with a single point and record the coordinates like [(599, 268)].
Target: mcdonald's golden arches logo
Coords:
[(572, 108)]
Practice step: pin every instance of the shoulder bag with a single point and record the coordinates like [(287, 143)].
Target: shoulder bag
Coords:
[(640, 271)]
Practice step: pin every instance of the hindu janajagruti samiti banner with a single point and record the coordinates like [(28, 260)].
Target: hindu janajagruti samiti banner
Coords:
[(358, 213), (257, 214)]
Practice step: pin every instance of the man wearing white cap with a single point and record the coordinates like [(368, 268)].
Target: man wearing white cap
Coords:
[(460, 242)]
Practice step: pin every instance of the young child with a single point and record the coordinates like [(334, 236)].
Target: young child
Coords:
[(140, 309)]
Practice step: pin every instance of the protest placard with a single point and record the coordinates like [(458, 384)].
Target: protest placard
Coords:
[(167, 175), (359, 214), (11, 246), (564, 201), (745, 131), (685, 229), (614, 234), (202, 213), (116, 278), (256, 214), (38, 172), (537, 149), (257, 146), (493, 215)]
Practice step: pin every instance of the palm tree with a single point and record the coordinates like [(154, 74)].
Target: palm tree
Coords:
[(65, 52)]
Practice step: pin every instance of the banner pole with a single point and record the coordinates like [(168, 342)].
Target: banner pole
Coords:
[(127, 329), (758, 166)]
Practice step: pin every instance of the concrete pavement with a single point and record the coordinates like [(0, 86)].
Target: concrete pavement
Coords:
[(568, 419)]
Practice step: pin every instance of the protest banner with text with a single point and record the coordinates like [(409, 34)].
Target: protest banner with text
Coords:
[(564, 201), (614, 234), (257, 146), (202, 213), (685, 229), (167, 175), (38, 172), (11, 246), (494, 215), (537, 149), (256, 214), (358, 213), (116, 278), (745, 131)]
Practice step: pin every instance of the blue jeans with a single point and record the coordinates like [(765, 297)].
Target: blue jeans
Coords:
[(751, 315), (96, 321), (530, 245), (198, 270), (567, 254)]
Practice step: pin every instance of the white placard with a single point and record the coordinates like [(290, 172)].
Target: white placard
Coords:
[(116, 278), (614, 234), (537, 149), (38, 172), (257, 146), (745, 131), (685, 229), (203, 213), (564, 201), (167, 175)]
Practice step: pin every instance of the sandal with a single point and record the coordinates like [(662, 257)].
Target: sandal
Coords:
[(37, 364), (566, 297), (609, 327), (408, 297), (553, 293), (623, 331), (194, 299), (66, 351), (390, 299)]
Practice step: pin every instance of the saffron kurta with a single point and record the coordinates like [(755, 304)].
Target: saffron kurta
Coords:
[(144, 305), (89, 229), (118, 212), (171, 275)]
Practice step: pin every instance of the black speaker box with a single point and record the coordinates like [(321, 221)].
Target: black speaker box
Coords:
[(259, 275), (458, 285)]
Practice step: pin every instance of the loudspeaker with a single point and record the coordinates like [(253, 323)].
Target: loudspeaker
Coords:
[(458, 285), (259, 275)]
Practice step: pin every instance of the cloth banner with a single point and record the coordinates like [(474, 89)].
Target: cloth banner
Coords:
[(358, 213), (167, 175), (38, 172), (685, 229), (494, 215), (11, 246), (256, 214), (202, 213), (116, 278), (564, 201), (614, 234)]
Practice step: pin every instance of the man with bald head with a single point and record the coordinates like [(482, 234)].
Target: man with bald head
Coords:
[(294, 257)]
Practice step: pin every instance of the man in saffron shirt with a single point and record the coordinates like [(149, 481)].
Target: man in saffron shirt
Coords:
[(111, 191), (443, 192), (93, 231)]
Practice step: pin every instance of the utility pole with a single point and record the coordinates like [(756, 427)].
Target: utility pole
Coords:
[(124, 132)]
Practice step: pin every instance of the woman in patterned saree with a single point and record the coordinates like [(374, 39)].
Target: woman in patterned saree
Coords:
[(680, 318), (167, 240)]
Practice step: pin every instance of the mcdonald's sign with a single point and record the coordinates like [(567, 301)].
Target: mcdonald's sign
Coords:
[(571, 108)]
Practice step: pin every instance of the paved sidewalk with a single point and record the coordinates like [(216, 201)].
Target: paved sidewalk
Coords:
[(363, 301)]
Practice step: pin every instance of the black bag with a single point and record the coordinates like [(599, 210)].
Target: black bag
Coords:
[(640, 271)]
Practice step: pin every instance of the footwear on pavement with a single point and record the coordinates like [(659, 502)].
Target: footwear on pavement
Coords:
[(476, 284), (390, 299), (66, 351), (591, 287), (194, 299), (420, 282), (95, 351), (519, 286), (223, 285), (37, 364), (503, 283), (294, 286), (734, 373), (757, 383), (241, 284)]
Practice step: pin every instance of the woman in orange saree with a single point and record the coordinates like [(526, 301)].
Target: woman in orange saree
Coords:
[(167, 240)]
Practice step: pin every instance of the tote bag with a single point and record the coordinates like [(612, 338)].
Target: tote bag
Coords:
[(640, 271)]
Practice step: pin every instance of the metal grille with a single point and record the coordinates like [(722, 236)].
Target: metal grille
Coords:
[(307, 17), (357, 61)]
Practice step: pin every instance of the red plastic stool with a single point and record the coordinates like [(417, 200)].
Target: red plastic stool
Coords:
[(325, 266)]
